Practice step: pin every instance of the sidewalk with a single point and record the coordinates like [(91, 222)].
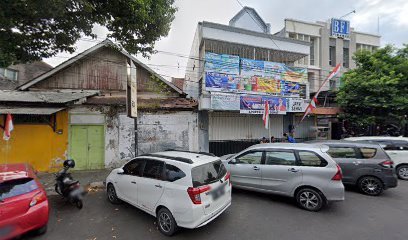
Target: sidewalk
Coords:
[(89, 179)]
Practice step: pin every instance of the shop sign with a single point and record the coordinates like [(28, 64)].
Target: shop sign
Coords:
[(296, 105), (222, 101), (256, 105), (340, 28)]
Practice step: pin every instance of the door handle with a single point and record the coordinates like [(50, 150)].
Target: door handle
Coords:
[(294, 170), (256, 168), (356, 162), (133, 182), (158, 185)]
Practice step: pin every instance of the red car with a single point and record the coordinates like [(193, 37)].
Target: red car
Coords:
[(23, 201)]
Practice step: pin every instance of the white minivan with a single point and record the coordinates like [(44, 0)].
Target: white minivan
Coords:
[(395, 147), (182, 189)]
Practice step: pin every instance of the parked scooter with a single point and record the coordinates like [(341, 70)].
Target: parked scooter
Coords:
[(67, 187)]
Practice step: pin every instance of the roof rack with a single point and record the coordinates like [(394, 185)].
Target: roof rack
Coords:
[(203, 153), (180, 159)]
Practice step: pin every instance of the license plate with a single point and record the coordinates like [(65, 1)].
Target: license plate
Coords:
[(218, 192)]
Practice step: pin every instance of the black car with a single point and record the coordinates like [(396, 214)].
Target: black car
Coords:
[(365, 165)]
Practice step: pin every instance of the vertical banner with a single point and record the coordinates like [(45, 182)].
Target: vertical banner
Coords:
[(131, 94)]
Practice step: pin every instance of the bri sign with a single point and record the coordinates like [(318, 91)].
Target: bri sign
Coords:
[(340, 28)]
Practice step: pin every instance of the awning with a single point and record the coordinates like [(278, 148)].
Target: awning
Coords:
[(29, 110)]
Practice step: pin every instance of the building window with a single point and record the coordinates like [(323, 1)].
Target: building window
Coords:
[(9, 74), (346, 55), (292, 35), (332, 56), (312, 51)]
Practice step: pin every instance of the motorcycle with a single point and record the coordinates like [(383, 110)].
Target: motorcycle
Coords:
[(67, 187)]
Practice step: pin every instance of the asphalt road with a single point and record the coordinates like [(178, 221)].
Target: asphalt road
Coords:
[(251, 216)]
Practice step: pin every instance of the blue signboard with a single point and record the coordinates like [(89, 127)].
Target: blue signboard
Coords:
[(340, 28)]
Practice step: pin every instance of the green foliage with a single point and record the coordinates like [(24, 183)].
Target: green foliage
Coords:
[(36, 29), (376, 92)]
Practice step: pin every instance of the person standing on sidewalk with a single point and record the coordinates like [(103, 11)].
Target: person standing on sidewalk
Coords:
[(289, 138)]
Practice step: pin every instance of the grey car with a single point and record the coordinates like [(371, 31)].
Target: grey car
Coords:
[(365, 165), (302, 171)]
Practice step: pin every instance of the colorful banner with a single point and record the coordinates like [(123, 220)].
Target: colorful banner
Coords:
[(272, 70), (222, 101), (221, 63), (256, 104), (261, 85), (296, 105), (251, 67)]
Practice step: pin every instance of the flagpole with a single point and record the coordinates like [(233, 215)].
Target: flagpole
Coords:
[(269, 128)]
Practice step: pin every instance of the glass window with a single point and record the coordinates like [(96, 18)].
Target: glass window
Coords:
[(346, 57), (280, 158), (311, 159), (173, 173), (332, 56), (368, 152), (208, 173), (17, 187), (312, 49), (250, 158), (153, 169), (342, 152), (134, 167)]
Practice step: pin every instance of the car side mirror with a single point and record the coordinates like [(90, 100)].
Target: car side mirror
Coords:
[(120, 171), (232, 161)]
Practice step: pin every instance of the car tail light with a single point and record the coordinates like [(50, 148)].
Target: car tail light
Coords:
[(387, 164), (228, 178), (194, 193), (339, 175), (38, 198)]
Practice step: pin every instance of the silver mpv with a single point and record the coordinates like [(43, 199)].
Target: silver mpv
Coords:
[(303, 171)]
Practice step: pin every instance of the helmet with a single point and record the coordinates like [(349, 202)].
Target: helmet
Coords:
[(69, 163)]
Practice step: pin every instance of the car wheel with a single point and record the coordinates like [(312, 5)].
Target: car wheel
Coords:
[(371, 186), (310, 199), (402, 172), (166, 222), (41, 230), (112, 197)]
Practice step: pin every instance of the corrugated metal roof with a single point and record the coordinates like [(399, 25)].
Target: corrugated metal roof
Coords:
[(29, 110), (60, 96)]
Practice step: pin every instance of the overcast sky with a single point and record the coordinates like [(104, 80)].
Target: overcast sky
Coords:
[(393, 15)]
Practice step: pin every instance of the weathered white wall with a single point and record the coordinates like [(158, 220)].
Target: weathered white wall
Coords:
[(160, 131), (157, 131)]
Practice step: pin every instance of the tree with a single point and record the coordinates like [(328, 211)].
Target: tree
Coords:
[(36, 29), (375, 93)]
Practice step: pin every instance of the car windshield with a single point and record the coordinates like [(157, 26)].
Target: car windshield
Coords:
[(208, 173), (17, 187)]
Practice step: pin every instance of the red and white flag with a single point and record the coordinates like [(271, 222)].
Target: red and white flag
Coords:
[(313, 103), (8, 127), (265, 116)]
